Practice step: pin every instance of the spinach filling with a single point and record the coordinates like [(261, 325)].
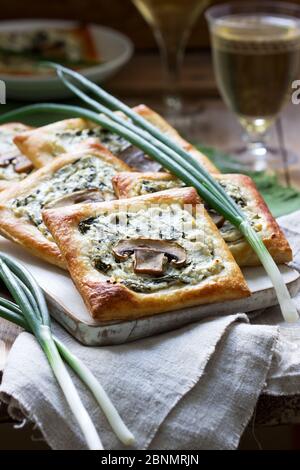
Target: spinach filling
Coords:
[(101, 234), (113, 142), (86, 173), (229, 233)]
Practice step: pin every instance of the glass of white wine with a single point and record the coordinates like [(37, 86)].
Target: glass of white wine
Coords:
[(171, 22), (256, 55)]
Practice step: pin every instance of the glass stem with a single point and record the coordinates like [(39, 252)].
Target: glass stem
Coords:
[(256, 145), (171, 57)]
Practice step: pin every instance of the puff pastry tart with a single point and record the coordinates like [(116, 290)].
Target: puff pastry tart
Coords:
[(45, 143), (70, 179), (145, 255), (243, 190), (13, 165)]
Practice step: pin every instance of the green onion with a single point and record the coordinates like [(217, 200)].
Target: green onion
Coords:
[(139, 132), (32, 315), (182, 168)]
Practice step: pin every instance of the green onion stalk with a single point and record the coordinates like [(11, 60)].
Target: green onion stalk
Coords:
[(30, 312), (144, 135)]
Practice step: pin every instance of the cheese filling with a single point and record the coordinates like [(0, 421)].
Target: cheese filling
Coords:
[(152, 186), (102, 233), (67, 140), (86, 173), (229, 233)]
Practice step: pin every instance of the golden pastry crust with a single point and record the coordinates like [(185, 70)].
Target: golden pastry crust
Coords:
[(272, 235), (128, 185), (111, 301), (42, 144), (8, 148), (19, 228)]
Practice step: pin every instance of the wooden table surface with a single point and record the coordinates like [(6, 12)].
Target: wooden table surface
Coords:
[(211, 124)]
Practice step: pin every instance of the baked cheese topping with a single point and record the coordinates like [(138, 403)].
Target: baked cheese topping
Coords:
[(229, 233), (100, 234), (67, 140), (145, 186), (86, 173), (9, 154)]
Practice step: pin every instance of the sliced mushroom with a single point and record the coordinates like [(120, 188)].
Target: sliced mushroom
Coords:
[(230, 234), (86, 195), (136, 158), (217, 219), (151, 256), (22, 164), (149, 262)]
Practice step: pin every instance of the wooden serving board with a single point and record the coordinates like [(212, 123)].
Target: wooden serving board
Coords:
[(69, 310)]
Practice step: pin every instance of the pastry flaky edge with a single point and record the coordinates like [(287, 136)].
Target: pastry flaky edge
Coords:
[(40, 149), (111, 302), (21, 231), (15, 128), (273, 237)]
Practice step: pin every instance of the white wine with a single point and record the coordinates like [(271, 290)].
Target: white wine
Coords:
[(256, 58), (172, 18)]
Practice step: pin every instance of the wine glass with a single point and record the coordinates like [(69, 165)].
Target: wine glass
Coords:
[(256, 55), (171, 22)]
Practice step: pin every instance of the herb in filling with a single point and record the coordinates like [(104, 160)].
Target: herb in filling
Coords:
[(66, 140), (230, 233), (103, 232), (86, 173)]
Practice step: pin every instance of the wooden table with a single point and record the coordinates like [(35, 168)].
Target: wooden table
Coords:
[(212, 124)]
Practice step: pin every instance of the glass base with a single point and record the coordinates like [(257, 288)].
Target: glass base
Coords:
[(185, 117), (258, 158)]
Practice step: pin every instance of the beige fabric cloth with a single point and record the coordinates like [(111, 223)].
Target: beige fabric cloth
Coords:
[(192, 388)]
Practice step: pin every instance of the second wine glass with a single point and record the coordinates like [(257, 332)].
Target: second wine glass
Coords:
[(171, 22)]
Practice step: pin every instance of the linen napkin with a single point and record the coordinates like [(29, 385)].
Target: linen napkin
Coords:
[(192, 388)]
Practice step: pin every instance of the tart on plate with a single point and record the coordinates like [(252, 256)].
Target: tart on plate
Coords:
[(21, 50), (145, 255), (70, 179)]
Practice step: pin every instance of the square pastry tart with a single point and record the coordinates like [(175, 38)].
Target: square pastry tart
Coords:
[(45, 143), (13, 165), (70, 179), (243, 190), (145, 255)]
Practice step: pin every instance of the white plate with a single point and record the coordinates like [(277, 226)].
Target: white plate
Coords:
[(114, 48)]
